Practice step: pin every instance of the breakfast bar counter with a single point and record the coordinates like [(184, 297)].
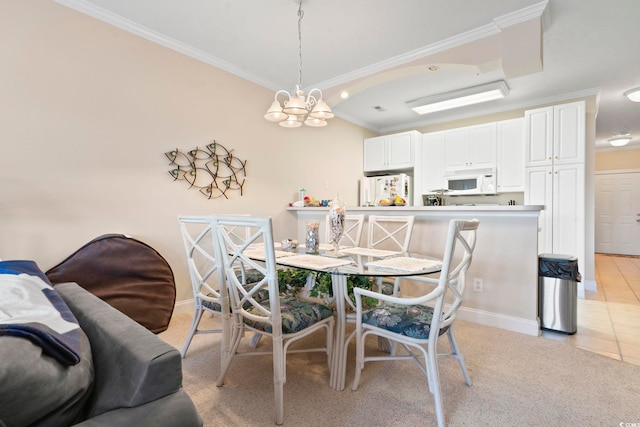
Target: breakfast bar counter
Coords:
[(502, 282)]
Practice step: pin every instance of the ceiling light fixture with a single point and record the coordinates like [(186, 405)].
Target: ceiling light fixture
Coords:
[(633, 94), (460, 98), (296, 110), (620, 140)]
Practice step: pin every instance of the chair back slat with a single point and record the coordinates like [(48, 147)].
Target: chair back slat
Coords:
[(453, 278), (390, 232), (207, 279), (353, 225), (240, 238)]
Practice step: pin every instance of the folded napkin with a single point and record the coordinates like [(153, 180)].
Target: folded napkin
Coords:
[(30, 308), (313, 262), (380, 253), (259, 253), (406, 264)]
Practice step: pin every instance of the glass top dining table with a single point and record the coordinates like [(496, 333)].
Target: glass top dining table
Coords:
[(352, 261)]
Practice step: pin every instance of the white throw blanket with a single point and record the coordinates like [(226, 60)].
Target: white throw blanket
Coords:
[(30, 308)]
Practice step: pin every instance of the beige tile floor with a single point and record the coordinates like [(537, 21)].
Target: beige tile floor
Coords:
[(609, 319)]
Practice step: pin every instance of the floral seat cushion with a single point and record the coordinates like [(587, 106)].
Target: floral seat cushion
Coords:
[(411, 321), (296, 314)]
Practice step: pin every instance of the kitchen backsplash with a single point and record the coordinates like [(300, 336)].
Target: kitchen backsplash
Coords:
[(499, 199)]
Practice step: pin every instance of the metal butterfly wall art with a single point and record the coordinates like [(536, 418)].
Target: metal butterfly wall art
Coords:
[(214, 170)]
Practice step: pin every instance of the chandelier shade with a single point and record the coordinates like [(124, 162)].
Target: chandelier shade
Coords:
[(297, 109)]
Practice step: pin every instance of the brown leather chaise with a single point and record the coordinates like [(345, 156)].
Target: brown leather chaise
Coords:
[(126, 273)]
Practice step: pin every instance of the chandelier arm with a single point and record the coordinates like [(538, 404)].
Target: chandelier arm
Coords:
[(312, 100), (283, 92)]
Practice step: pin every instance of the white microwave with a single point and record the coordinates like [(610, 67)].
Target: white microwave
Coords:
[(471, 182)]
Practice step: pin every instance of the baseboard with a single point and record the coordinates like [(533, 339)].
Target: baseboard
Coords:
[(486, 318), (183, 307), (589, 285), (510, 323)]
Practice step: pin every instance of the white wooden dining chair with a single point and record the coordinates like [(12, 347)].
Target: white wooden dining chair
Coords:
[(284, 319), (415, 323), (391, 232), (353, 225), (207, 279)]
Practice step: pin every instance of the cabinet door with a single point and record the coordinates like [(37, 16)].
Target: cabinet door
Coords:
[(456, 149), (400, 151), (429, 168), (568, 210), (510, 142), (481, 146), (375, 154), (538, 137), (539, 191), (569, 133)]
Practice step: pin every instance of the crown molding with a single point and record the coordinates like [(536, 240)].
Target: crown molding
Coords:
[(534, 11), (125, 24)]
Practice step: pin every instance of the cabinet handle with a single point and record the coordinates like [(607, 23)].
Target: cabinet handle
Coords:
[(556, 157), (549, 158)]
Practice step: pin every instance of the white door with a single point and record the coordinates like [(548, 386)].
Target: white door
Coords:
[(400, 151), (539, 191), (375, 154), (482, 146), (617, 228)]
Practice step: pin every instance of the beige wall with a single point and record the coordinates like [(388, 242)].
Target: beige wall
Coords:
[(620, 159), (87, 112)]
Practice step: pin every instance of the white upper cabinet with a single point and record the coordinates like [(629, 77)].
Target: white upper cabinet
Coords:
[(390, 152), (555, 135), (472, 147), (510, 169)]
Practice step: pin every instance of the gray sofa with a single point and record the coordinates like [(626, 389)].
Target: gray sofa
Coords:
[(127, 375)]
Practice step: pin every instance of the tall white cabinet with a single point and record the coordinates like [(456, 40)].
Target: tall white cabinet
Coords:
[(555, 176), (429, 170)]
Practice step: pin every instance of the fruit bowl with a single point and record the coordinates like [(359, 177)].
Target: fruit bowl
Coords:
[(387, 202)]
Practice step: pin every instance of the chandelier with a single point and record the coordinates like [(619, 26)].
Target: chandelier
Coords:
[(297, 109)]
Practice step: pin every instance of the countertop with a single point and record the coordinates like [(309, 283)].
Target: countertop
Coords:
[(453, 208)]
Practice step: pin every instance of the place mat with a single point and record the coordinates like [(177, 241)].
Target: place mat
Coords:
[(259, 253), (405, 264), (313, 262), (327, 247), (380, 253)]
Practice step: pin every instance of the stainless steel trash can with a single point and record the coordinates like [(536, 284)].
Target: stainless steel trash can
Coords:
[(558, 279)]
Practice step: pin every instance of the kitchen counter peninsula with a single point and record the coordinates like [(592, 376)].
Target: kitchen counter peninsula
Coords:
[(502, 282)]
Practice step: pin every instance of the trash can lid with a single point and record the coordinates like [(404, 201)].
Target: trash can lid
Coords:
[(558, 257)]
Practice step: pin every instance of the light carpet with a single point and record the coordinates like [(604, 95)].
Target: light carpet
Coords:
[(518, 380)]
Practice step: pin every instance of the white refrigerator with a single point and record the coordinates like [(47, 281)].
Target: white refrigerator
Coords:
[(375, 189)]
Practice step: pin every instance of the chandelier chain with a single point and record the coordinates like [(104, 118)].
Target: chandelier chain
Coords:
[(300, 15)]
